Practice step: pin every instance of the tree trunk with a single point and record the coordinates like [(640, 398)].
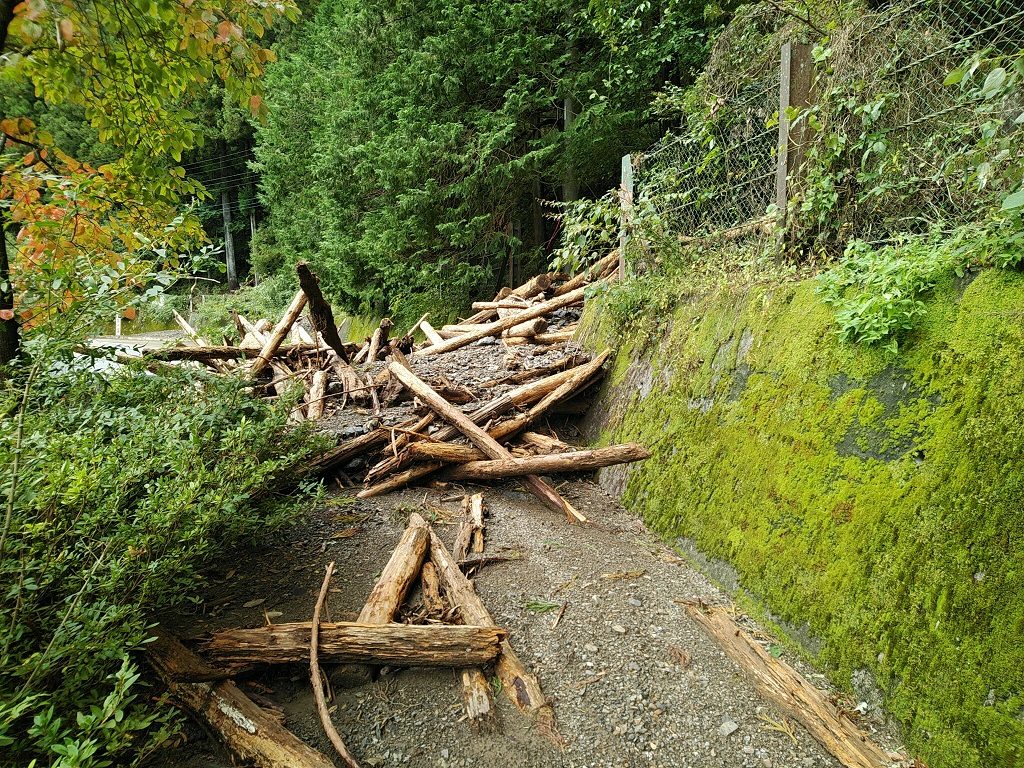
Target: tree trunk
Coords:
[(229, 240), (10, 333)]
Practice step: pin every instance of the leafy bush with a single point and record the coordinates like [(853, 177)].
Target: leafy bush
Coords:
[(877, 291), (121, 487), (589, 230)]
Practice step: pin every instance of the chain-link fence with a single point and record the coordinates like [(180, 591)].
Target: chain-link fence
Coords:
[(909, 116)]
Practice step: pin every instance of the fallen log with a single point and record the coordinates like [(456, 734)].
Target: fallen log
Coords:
[(251, 735), (523, 395), (575, 461), (492, 329), (518, 683), (480, 438), (512, 302), (447, 453), (432, 336), (379, 340), (280, 331), (523, 330), (590, 274), (320, 312), (520, 377), (555, 337), (783, 686), (345, 642), (545, 443), (209, 353), (315, 676)]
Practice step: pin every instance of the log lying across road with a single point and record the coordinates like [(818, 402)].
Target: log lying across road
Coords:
[(574, 461), (479, 437), (410, 645)]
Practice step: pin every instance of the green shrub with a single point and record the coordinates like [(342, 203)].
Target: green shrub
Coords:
[(121, 487)]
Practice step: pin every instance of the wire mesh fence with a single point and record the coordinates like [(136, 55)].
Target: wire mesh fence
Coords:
[(911, 109)]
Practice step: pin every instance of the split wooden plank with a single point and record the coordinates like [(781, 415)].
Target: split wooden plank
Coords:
[(278, 335), (345, 642), (253, 736), (786, 688), (518, 683), (480, 438), (316, 675), (492, 329), (471, 530), (320, 312), (430, 586), (575, 461)]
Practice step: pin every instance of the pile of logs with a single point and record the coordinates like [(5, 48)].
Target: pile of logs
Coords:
[(454, 629), (453, 432)]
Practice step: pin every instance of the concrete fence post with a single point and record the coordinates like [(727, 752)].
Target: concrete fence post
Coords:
[(626, 208)]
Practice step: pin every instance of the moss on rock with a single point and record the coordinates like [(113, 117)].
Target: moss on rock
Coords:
[(875, 497)]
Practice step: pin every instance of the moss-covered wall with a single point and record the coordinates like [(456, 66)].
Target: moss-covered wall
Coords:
[(876, 498)]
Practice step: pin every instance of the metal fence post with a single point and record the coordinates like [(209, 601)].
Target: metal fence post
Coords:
[(796, 82), (626, 207)]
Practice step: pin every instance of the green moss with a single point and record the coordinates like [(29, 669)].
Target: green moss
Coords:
[(875, 496)]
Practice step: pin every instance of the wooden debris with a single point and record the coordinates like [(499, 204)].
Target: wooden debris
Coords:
[(253, 736), (470, 537), (518, 683), (431, 588), (492, 329), (320, 313), (407, 645), (315, 396), (782, 685), (574, 461), (315, 676), (480, 438), (280, 331)]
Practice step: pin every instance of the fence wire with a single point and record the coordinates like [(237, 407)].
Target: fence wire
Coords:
[(927, 136)]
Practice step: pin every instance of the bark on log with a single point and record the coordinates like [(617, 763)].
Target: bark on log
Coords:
[(315, 676), (448, 453), (280, 331), (315, 396), (590, 274), (545, 443), (480, 438), (320, 312), (408, 645), (251, 735), (576, 461), (519, 684), (379, 340), (398, 575), (782, 685), (210, 353), (491, 329)]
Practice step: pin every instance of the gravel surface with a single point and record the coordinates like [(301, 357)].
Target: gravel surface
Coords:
[(633, 680)]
